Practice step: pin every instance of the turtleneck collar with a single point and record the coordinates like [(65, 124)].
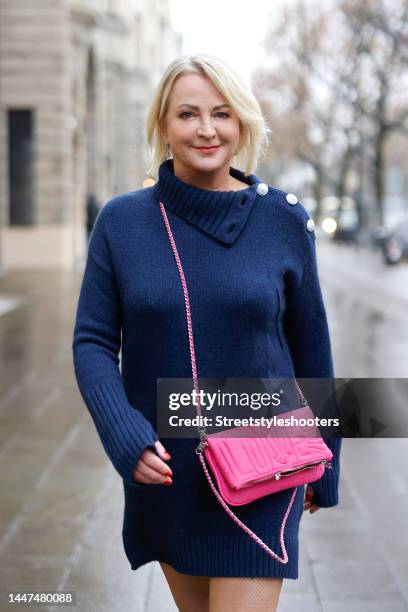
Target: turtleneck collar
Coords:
[(220, 214)]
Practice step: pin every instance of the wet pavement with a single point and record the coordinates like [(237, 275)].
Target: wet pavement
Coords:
[(367, 305), (62, 501)]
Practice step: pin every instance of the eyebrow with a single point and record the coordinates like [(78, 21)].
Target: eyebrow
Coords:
[(197, 107)]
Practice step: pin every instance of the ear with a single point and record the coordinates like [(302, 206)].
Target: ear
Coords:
[(162, 129), (241, 133)]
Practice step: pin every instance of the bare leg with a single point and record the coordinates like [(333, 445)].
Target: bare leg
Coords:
[(243, 594), (191, 593)]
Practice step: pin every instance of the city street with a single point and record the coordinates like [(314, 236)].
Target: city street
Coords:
[(366, 302), (62, 501)]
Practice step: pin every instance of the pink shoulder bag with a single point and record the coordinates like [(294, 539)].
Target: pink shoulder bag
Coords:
[(250, 465)]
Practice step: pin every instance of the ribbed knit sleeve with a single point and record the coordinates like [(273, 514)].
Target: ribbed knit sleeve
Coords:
[(122, 428), (307, 334)]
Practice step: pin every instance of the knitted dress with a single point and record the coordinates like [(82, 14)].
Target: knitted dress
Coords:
[(250, 265)]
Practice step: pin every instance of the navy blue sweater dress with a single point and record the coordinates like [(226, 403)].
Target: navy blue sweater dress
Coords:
[(257, 311)]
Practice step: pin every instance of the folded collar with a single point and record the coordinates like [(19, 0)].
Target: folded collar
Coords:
[(220, 214)]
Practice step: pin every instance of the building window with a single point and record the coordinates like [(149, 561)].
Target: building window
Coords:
[(21, 167)]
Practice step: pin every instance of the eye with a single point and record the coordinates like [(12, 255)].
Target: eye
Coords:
[(185, 113)]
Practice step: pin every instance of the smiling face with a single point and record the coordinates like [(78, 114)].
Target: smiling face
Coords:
[(198, 118)]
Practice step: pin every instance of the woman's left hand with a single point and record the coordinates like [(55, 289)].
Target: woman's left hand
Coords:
[(308, 502)]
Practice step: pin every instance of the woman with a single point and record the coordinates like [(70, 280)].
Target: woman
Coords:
[(248, 254)]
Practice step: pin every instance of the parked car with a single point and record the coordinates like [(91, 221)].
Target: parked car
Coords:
[(395, 245), (379, 235), (358, 237), (345, 234)]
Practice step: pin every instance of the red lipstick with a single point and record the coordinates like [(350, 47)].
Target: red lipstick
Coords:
[(207, 150)]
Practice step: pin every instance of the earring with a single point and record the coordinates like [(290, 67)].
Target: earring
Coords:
[(168, 151)]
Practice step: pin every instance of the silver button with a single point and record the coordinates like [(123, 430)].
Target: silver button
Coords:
[(291, 198), (262, 189), (310, 225)]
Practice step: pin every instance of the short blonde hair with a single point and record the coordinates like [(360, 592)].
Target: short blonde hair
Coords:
[(254, 130)]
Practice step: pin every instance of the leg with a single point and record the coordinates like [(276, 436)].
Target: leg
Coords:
[(191, 593), (243, 594)]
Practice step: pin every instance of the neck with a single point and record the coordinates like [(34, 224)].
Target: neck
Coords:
[(214, 180)]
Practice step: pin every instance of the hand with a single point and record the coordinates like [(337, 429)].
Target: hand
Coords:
[(308, 503), (151, 469)]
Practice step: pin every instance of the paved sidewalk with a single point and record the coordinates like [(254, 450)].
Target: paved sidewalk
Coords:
[(62, 501)]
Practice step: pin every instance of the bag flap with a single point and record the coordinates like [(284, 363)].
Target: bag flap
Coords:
[(241, 460)]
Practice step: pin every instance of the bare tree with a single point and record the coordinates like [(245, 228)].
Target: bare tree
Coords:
[(331, 90), (382, 30)]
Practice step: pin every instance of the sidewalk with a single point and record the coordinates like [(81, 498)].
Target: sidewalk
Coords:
[(62, 501)]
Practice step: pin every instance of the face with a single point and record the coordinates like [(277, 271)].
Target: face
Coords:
[(198, 115)]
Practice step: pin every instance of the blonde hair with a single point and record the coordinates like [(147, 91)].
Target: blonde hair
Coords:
[(254, 130)]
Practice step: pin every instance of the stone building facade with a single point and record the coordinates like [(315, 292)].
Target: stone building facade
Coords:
[(76, 77)]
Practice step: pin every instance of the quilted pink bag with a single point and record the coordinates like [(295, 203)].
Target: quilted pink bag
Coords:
[(248, 464)]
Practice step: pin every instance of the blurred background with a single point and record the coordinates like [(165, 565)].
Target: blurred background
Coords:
[(76, 78)]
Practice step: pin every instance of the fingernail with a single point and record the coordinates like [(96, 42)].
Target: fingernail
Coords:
[(169, 474), (168, 482), (167, 454)]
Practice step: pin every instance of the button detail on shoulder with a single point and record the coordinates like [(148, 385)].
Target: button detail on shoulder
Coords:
[(262, 189), (310, 225), (291, 198)]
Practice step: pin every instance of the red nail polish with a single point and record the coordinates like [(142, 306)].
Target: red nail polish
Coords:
[(168, 482), (170, 474)]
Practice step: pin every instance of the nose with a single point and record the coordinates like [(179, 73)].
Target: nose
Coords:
[(206, 128)]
